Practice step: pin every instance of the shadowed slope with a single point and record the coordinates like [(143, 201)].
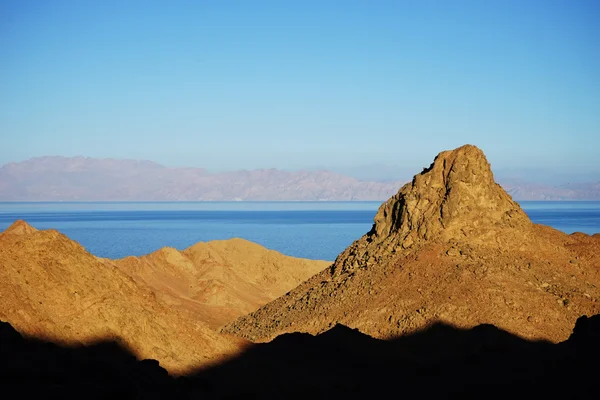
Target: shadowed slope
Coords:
[(449, 246), (32, 368), (438, 362)]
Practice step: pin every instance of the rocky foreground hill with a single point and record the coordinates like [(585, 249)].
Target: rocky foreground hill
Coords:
[(453, 293), (220, 280), (163, 306), (450, 246)]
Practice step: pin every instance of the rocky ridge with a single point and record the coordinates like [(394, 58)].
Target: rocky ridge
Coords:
[(455, 198), (450, 246), (53, 289), (220, 280)]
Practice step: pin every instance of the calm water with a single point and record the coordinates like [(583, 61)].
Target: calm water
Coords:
[(319, 230)]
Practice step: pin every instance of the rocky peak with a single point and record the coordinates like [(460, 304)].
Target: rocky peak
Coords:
[(20, 227), (450, 246), (454, 197), (453, 200)]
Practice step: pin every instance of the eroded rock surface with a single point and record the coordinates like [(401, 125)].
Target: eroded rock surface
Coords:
[(163, 306), (450, 246), (220, 280)]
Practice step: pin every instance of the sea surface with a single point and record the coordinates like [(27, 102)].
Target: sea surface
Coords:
[(317, 230)]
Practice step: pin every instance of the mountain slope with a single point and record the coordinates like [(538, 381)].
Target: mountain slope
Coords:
[(450, 246), (220, 280), (52, 288)]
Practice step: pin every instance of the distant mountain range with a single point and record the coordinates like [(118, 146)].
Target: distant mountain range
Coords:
[(91, 179), (531, 191)]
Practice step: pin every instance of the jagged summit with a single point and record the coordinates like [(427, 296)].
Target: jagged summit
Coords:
[(450, 246), (455, 196), (454, 200), (20, 227)]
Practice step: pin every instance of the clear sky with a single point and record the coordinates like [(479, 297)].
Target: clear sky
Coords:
[(293, 84)]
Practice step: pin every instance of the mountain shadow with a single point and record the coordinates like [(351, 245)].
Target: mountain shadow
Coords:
[(34, 368), (438, 362)]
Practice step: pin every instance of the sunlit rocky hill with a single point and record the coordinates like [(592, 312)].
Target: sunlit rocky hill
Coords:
[(165, 306), (450, 246)]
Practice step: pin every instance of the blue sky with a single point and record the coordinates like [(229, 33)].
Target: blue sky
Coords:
[(294, 84)]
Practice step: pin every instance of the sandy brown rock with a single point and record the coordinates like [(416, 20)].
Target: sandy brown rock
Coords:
[(450, 246), (52, 288), (220, 280), (455, 197), (19, 227)]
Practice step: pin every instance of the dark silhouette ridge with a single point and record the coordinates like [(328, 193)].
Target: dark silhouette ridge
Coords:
[(438, 362), (34, 368)]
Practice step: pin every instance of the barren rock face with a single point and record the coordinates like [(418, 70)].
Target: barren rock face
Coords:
[(220, 280), (456, 199), (19, 227), (164, 305), (450, 246), (455, 196)]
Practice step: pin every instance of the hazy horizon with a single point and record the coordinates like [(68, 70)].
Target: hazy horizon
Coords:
[(396, 173), (249, 85)]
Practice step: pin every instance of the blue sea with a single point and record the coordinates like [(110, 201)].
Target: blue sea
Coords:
[(317, 230)]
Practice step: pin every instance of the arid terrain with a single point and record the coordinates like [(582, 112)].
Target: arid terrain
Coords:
[(453, 283), (220, 280), (164, 306), (451, 246)]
